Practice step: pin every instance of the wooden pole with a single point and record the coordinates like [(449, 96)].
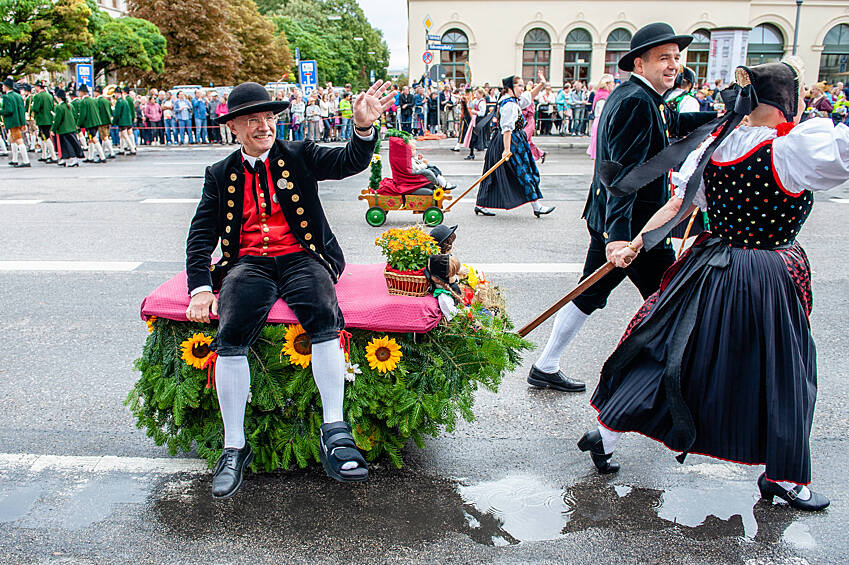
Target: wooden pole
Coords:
[(584, 285), (480, 180), (687, 232)]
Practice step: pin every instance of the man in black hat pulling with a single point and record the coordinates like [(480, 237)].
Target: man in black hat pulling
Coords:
[(635, 124), (262, 203)]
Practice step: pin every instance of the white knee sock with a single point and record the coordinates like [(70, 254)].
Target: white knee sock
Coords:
[(328, 370), (803, 494), (13, 152), (51, 149), (107, 146), (3, 147), (22, 153), (608, 439), (99, 149), (233, 384), (536, 205), (131, 141), (568, 322)]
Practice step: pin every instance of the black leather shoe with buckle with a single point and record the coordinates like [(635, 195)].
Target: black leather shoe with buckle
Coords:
[(557, 381), (770, 489), (592, 442), (228, 471)]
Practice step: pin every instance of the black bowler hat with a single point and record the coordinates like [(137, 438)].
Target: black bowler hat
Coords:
[(650, 36), (59, 93), (83, 88), (9, 83), (442, 232), (247, 98)]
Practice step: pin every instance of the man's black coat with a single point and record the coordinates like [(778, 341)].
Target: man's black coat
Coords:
[(635, 125), (295, 166), (406, 100)]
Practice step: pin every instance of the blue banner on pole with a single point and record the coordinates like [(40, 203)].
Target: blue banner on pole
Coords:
[(85, 75), (308, 72)]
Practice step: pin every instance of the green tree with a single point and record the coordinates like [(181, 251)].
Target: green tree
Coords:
[(201, 47), (340, 58), (41, 34), (117, 47), (265, 54)]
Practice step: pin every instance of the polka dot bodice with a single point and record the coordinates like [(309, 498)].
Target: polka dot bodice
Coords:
[(748, 206)]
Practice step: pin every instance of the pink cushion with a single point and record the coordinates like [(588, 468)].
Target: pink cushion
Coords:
[(361, 292)]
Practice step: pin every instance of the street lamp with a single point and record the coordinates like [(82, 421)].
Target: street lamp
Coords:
[(796, 29)]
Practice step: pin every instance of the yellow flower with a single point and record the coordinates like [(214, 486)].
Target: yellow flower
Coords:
[(383, 354), (438, 194), (472, 277), (298, 346), (150, 321), (196, 350)]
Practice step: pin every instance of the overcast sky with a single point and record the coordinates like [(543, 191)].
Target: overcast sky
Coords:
[(390, 17)]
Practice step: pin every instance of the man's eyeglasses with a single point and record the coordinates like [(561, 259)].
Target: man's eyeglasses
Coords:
[(270, 119)]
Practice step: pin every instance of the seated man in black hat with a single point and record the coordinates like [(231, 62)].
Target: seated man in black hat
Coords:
[(262, 203), (635, 124)]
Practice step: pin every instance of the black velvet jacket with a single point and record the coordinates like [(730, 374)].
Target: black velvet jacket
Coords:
[(634, 125), (295, 167)]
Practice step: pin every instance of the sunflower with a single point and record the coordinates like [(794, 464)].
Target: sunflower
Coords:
[(150, 321), (383, 354), (196, 350), (438, 194), (298, 346)]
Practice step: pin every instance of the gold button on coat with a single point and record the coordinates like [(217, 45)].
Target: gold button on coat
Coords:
[(312, 247), (223, 263), (230, 203), (233, 176), (265, 238), (262, 204), (299, 211), (229, 216), (290, 186), (304, 224), (231, 189), (227, 229), (295, 198), (212, 267), (285, 174), (308, 236), (225, 242), (605, 235), (226, 254), (281, 162)]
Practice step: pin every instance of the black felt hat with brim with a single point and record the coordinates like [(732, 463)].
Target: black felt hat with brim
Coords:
[(248, 98), (651, 36)]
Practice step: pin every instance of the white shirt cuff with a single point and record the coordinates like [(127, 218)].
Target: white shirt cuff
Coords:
[(204, 288)]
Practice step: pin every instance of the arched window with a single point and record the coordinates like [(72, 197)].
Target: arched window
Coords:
[(766, 45), (834, 61), (618, 43), (579, 53), (536, 54), (456, 61), (697, 55)]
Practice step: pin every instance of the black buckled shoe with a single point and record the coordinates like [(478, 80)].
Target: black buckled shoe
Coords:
[(592, 442), (543, 211), (557, 381), (228, 472), (483, 212), (770, 489)]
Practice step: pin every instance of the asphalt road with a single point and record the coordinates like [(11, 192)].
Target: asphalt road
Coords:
[(80, 484)]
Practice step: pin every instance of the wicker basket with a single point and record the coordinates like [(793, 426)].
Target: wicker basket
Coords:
[(406, 284)]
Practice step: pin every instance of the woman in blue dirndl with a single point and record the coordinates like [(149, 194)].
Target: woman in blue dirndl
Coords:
[(516, 182)]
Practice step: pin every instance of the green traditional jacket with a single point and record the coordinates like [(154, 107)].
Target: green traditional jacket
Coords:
[(41, 108), (88, 118), (123, 114), (104, 111), (13, 110), (75, 107), (63, 119)]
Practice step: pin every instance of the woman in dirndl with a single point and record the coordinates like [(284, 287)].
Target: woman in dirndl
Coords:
[(516, 181), (721, 361)]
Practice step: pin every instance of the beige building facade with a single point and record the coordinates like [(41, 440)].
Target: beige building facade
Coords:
[(581, 40)]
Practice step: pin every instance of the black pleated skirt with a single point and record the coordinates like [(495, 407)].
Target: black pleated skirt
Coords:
[(69, 146), (720, 361), (515, 182)]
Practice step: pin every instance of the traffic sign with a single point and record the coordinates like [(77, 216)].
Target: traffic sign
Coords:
[(431, 37), (308, 72), (437, 72), (371, 76), (440, 47), (85, 75), (427, 57), (428, 22), (80, 60)]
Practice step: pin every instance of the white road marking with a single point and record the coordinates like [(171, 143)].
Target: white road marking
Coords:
[(110, 266), (20, 201), (840, 200), (487, 268), (101, 464), (170, 201)]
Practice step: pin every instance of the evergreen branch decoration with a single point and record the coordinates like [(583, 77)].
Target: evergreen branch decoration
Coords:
[(423, 395)]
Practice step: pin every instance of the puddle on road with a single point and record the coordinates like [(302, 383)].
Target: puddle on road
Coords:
[(403, 508)]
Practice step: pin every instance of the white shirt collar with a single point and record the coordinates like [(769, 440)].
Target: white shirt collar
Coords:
[(645, 80), (252, 160)]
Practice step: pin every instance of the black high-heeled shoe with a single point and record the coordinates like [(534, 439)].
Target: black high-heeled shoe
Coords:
[(469, 158), (769, 490), (592, 442), (544, 211), (480, 211)]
